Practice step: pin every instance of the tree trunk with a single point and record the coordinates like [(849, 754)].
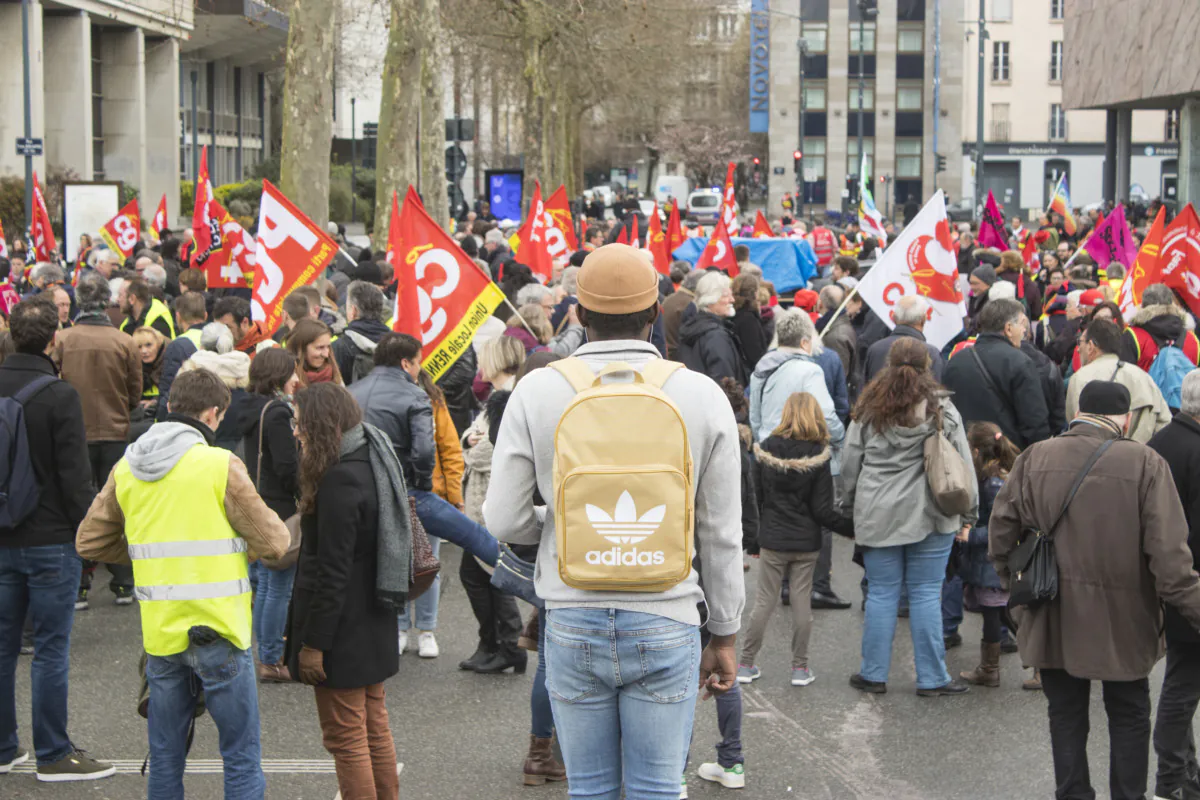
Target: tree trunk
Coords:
[(308, 108), (477, 146), (396, 147), (533, 116), (433, 118)]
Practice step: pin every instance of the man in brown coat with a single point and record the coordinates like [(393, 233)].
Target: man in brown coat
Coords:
[(1121, 547), (103, 366), (673, 308)]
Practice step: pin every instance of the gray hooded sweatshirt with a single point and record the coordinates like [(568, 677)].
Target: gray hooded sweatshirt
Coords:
[(159, 449)]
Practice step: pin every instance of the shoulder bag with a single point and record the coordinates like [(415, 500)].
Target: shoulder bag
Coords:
[(1033, 564), (425, 565), (289, 558), (950, 478)]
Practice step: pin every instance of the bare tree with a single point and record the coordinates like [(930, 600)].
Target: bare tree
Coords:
[(433, 126), (308, 107), (706, 149), (396, 148)]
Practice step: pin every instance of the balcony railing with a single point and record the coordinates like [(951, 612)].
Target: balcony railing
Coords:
[(1001, 130)]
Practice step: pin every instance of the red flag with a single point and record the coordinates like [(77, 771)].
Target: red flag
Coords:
[(242, 249), (452, 294), (729, 200), (719, 252), (637, 237), (762, 228), (291, 251), (583, 229), (1146, 268), (206, 225), (1180, 258), (3, 244), (675, 235), (560, 223), (406, 314), (656, 240), (623, 235), (535, 251), (160, 217), (40, 231), (122, 232)]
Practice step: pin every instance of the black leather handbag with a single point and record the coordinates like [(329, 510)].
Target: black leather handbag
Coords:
[(1033, 564)]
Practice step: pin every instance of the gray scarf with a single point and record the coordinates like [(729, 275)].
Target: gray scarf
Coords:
[(393, 570)]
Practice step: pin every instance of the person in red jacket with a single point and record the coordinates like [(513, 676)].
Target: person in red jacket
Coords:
[(1161, 321)]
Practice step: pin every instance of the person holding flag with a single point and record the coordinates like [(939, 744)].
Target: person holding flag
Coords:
[(869, 218)]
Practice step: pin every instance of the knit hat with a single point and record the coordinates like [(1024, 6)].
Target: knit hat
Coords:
[(617, 279), (1106, 398), (1092, 298), (985, 273)]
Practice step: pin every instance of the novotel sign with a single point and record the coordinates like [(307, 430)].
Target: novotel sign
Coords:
[(760, 66)]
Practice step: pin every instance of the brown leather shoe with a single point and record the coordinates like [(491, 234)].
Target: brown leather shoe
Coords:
[(988, 671), (1033, 684), (528, 640), (274, 673), (540, 764)]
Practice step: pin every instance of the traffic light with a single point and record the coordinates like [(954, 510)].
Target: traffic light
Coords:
[(883, 179), (940, 163), (757, 161), (797, 157)]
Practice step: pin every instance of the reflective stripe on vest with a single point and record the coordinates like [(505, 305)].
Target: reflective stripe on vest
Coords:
[(193, 549), (193, 591)]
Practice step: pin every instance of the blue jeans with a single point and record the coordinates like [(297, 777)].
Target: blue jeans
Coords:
[(623, 687), (272, 597), (952, 605), (226, 674), (446, 522), (921, 568), (541, 714), (427, 604), (42, 581)]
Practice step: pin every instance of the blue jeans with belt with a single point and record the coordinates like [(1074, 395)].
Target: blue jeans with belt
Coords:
[(42, 581), (623, 688)]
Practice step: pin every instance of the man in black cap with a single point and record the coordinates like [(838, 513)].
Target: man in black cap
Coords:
[(1121, 547)]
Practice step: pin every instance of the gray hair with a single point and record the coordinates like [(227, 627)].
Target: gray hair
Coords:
[(46, 271), (832, 296), (532, 294), (216, 337), (115, 285), (710, 288), (147, 253), (911, 310), (1002, 290), (692, 280), (999, 313), (1115, 271), (155, 275), (93, 294), (1073, 298), (367, 299), (1158, 295), (108, 256), (793, 327), (570, 281), (1189, 398)]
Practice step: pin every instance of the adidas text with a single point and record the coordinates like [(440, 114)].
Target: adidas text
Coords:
[(627, 558)]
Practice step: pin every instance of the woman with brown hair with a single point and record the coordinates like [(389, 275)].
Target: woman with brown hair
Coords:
[(343, 618), (748, 325), (309, 342), (905, 537)]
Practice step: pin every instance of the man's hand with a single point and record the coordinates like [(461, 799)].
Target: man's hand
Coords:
[(312, 666), (718, 666)]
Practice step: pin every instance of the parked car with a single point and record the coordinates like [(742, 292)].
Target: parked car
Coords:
[(961, 211), (704, 206)]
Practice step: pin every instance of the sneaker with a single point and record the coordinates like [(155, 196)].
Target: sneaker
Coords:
[(864, 685), (952, 640), (802, 676), (78, 766), (427, 646), (732, 778), (81, 601), (403, 641), (683, 788), (955, 686), (20, 757), (748, 674), (124, 596)]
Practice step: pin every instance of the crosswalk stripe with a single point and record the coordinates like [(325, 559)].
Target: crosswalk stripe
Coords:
[(213, 766)]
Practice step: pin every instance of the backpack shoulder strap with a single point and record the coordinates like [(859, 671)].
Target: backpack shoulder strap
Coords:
[(577, 373), (33, 387), (656, 372)]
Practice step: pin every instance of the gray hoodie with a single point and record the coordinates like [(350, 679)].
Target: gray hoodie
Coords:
[(159, 449), (884, 483)]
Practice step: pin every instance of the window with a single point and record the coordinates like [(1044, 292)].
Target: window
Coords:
[(908, 158), (1058, 122), (727, 26), (852, 165), (816, 36), (704, 26), (1056, 61), (814, 157), (865, 43), (1001, 10), (910, 39), (1000, 62), (814, 97), (1056, 9), (1001, 128), (868, 102), (909, 97), (1171, 130)]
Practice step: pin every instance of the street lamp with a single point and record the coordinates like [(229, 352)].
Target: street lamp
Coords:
[(353, 163), (801, 184), (865, 7)]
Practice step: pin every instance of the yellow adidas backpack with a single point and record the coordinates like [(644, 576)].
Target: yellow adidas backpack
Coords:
[(623, 481)]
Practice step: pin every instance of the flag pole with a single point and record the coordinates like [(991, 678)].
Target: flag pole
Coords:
[(507, 302), (838, 313)]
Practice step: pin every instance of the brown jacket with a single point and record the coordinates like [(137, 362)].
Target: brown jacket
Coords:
[(672, 312), (1121, 546), (101, 536), (103, 366), (448, 457)]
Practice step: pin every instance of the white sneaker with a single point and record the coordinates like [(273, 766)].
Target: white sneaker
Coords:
[(403, 641), (427, 646), (732, 778), (683, 788)]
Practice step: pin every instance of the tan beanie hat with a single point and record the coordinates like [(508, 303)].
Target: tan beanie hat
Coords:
[(617, 279)]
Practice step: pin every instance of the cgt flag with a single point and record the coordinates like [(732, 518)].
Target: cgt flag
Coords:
[(406, 313), (762, 228), (729, 200), (291, 252), (449, 291), (719, 252), (656, 242), (920, 261), (122, 232), (43, 247), (675, 234), (1179, 261), (1145, 269), (160, 218)]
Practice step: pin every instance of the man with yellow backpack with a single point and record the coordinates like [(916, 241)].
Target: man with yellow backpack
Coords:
[(638, 463)]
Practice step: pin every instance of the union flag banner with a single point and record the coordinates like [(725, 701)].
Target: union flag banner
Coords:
[(453, 295), (1145, 269), (229, 263), (728, 201), (656, 242), (291, 251), (206, 227), (557, 223), (675, 234), (41, 234), (1179, 261), (406, 313), (122, 232), (719, 251), (762, 228), (535, 251), (160, 217)]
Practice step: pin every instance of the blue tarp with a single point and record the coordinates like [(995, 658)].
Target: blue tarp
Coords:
[(787, 263)]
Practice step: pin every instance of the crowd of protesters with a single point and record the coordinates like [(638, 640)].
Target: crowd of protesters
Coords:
[(261, 494)]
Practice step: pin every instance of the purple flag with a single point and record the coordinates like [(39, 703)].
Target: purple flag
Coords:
[(1112, 241), (991, 227)]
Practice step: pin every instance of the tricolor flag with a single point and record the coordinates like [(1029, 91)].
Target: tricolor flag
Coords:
[(1060, 203), (869, 218)]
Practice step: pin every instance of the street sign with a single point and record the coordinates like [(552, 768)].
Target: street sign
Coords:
[(810, 176), (460, 130), (456, 163), (777, 170), (845, 193), (28, 147), (370, 130)]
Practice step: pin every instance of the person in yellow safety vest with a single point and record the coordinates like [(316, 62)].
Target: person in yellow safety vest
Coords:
[(190, 520), (190, 315), (142, 308), (850, 242), (1115, 275)]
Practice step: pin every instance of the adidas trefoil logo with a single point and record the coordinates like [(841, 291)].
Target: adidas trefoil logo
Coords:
[(625, 526)]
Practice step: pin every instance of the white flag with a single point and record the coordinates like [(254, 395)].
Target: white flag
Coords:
[(920, 261)]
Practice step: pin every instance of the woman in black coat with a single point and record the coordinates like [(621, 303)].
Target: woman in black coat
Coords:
[(342, 641), (748, 325)]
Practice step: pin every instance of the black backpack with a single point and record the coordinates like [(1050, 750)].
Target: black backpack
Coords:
[(19, 489)]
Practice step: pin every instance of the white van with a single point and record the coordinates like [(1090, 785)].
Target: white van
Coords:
[(669, 186), (704, 206)]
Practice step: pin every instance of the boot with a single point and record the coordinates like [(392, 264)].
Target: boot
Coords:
[(988, 671), (1033, 684), (480, 656), (541, 765), (502, 659), (528, 640)]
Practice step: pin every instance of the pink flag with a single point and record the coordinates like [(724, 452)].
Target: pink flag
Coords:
[(1112, 241), (991, 227)]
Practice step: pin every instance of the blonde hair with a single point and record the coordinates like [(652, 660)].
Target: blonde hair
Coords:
[(535, 317), (802, 420), (146, 333), (503, 355)]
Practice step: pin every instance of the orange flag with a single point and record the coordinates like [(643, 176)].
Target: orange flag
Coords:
[(1145, 270), (439, 285), (675, 236), (762, 228), (122, 232), (558, 209), (719, 252), (656, 240), (1179, 261)]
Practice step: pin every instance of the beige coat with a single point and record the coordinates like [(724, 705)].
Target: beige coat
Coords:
[(1150, 411)]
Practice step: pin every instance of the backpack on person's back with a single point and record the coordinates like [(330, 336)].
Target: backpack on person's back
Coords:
[(1168, 370), (19, 488)]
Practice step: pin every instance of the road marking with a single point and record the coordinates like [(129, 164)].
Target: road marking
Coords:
[(213, 766)]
